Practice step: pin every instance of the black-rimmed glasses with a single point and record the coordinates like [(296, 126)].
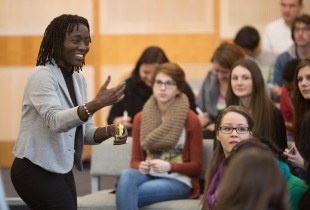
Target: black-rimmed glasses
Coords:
[(228, 129)]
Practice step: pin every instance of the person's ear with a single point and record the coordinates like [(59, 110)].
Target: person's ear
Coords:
[(217, 136)]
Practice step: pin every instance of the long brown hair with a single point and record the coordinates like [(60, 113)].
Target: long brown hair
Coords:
[(218, 154), (253, 180), (301, 105), (261, 107)]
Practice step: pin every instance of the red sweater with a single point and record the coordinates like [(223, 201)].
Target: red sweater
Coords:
[(192, 151)]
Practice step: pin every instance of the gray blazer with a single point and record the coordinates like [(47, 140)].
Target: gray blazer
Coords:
[(49, 120)]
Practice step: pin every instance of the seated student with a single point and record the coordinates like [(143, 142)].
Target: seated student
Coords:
[(211, 98), (286, 105), (139, 88), (249, 40), (247, 88), (234, 124), (252, 180), (167, 155), (301, 102), (300, 49), (295, 186), (305, 152)]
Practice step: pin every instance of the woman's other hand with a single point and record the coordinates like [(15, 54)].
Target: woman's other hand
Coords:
[(203, 119), (144, 167), (160, 166), (294, 156), (126, 121)]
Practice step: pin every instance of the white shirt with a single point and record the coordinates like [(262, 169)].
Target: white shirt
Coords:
[(277, 37), (180, 177)]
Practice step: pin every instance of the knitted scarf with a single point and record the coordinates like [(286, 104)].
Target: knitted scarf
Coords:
[(161, 136)]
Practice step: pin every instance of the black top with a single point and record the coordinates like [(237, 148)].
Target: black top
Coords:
[(136, 94), (280, 129), (69, 82)]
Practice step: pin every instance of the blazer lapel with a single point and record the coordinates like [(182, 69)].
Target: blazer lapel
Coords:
[(77, 89), (63, 85)]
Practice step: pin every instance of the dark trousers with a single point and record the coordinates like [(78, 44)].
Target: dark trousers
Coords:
[(41, 189)]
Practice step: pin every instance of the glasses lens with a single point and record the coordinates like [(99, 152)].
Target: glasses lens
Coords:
[(242, 129), (225, 129)]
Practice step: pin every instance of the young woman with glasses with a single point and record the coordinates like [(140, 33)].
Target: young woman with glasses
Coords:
[(166, 159), (139, 88), (247, 89), (234, 124)]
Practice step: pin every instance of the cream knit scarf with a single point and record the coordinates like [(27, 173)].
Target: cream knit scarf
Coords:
[(161, 136)]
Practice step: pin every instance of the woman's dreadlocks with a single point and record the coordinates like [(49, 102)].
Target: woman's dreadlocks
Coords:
[(54, 36)]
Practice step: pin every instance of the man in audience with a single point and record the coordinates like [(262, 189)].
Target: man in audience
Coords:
[(277, 36), (249, 40), (300, 49)]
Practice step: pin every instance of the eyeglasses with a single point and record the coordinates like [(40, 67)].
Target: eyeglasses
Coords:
[(167, 85), (303, 30), (228, 130)]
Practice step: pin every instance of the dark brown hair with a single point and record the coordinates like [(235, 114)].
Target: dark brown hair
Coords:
[(247, 37), (218, 154), (227, 54), (261, 107), (301, 105), (253, 180), (150, 55), (304, 18)]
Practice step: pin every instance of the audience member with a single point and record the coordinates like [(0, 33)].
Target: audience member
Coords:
[(252, 180), (247, 89), (166, 160), (305, 152), (286, 105), (234, 124), (301, 102), (301, 49), (277, 35), (301, 97), (139, 88), (295, 186), (248, 39), (57, 119), (212, 93)]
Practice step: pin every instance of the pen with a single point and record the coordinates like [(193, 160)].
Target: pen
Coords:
[(125, 114), (199, 111)]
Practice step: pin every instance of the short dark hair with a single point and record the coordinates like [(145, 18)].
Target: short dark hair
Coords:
[(289, 70), (247, 37), (304, 18)]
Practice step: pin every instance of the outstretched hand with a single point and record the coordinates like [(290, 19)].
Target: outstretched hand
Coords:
[(107, 97)]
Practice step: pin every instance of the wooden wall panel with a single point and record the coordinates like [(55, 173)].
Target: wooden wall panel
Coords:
[(121, 49), (237, 13)]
